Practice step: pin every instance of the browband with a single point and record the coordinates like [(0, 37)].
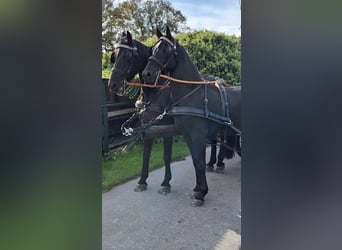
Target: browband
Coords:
[(167, 40), (119, 45)]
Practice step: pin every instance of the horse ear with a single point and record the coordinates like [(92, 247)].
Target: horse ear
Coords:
[(123, 34), (129, 37), (159, 34), (168, 33)]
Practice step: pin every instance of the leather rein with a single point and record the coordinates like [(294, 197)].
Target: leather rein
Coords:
[(135, 84)]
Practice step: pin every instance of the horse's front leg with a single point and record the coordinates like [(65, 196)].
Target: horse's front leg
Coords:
[(198, 158), (165, 186), (142, 185)]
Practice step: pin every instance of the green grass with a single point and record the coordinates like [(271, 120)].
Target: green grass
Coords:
[(125, 165), (106, 73)]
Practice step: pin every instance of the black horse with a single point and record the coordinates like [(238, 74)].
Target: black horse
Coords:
[(129, 59), (199, 110)]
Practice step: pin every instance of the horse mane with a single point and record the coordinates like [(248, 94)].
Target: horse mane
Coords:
[(183, 58), (142, 47), (144, 53)]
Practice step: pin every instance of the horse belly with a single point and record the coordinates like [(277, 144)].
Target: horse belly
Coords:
[(197, 127)]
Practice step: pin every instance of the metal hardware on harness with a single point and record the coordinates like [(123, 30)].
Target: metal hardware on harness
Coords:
[(161, 116), (157, 78), (127, 131), (206, 100)]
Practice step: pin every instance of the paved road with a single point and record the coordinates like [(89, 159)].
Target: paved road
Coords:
[(152, 221)]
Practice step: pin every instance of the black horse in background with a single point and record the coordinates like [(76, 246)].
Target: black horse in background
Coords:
[(129, 59), (200, 110)]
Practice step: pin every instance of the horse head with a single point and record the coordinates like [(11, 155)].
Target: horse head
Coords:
[(125, 59), (163, 58)]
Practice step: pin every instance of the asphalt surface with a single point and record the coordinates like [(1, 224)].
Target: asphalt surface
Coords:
[(152, 221)]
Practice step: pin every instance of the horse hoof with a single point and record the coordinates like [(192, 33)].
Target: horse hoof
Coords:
[(140, 187), (210, 168), (195, 194), (220, 170), (197, 203), (164, 190)]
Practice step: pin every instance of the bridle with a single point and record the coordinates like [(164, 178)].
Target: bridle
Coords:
[(163, 67), (134, 52)]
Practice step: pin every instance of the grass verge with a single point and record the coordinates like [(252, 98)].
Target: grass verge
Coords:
[(125, 165)]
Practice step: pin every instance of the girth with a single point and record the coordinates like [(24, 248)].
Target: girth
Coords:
[(199, 113)]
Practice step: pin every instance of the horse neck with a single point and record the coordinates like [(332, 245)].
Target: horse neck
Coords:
[(149, 95), (156, 96), (144, 53), (184, 70)]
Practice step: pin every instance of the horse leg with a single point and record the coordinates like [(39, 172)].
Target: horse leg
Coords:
[(142, 185), (196, 139), (227, 151), (212, 161), (220, 164), (165, 186), (198, 158), (238, 143)]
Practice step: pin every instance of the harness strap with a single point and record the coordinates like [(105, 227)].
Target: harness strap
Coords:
[(200, 113), (224, 99), (206, 101), (187, 82), (184, 97)]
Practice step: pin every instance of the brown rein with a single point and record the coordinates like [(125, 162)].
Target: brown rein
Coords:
[(136, 84), (173, 80), (186, 82)]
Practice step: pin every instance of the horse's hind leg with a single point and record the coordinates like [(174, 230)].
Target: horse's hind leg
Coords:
[(142, 185), (226, 151), (212, 161), (220, 164), (238, 143), (165, 186)]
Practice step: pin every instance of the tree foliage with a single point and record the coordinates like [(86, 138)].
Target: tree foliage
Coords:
[(139, 17), (214, 53)]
